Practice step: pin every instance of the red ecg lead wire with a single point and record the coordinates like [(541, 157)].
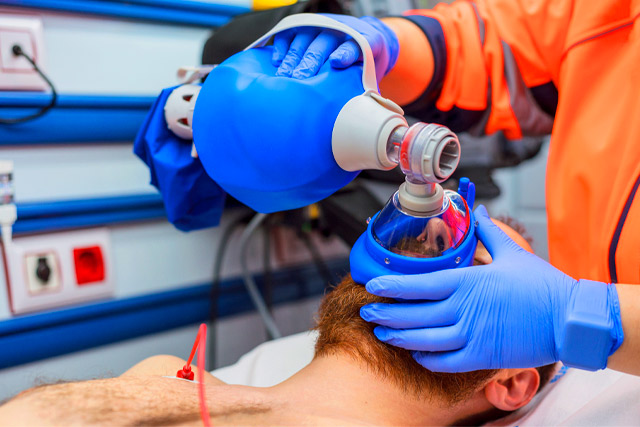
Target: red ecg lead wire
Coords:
[(204, 411), (200, 344)]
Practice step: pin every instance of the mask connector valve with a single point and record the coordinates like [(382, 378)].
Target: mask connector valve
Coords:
[(428, 154)]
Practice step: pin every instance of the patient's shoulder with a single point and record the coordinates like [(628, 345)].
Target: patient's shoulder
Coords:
[(165, 365)]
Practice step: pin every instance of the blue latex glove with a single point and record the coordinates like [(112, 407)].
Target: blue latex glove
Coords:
[(300, 52), (511, 313)]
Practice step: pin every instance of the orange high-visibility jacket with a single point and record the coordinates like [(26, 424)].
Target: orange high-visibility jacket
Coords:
[(525, 67)]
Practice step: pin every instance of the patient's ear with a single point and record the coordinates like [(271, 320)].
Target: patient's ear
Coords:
[(513, 388)]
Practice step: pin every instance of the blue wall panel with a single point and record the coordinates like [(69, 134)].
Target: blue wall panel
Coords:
[(66, 214), (34, 337), (74, 119), (185, 12)]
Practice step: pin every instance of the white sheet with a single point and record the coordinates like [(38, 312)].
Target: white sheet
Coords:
[(574, 398), (271, 362), (582, 398)]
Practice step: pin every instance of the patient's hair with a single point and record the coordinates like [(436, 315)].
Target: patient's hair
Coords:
[(343, 331), (517, 226)]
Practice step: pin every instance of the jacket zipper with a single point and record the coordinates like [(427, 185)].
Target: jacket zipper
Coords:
[(616, 236)]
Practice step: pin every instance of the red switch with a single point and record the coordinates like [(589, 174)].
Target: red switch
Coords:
[(89, 264)]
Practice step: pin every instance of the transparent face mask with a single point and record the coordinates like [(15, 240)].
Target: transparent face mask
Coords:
[(404, 233)]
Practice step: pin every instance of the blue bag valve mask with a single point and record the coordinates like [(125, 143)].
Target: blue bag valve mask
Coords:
[(277, 143)]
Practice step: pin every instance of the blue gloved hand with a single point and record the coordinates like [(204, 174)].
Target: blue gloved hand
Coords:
[(512, 313), (300, 52)]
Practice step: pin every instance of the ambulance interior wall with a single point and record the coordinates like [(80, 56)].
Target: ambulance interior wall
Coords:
[(90, 55)]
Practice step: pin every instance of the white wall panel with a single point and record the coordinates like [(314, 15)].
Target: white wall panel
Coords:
[(99, 55), (45, 173)]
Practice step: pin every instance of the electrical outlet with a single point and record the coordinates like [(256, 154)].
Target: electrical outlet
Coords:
[(42, 272), (57, 269), (16, 73)]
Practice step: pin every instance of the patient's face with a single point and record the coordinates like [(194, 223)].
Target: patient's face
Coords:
[(436, 238)]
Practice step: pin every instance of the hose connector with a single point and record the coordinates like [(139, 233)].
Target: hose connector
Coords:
[(428, 154)]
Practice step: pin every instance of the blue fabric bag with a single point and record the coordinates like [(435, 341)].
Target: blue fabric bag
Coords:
[(191, 198)]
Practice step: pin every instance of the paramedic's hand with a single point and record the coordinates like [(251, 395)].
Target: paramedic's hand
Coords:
[(300, 52), (507, 314)]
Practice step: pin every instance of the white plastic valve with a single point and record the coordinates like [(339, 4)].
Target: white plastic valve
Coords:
[(361, 134), (178, 110)]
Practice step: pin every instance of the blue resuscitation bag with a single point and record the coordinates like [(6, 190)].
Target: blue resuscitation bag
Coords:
[(191, 198), (266, 140)]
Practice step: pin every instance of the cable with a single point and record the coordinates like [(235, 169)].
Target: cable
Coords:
[(204, 411), (320, 265), (215, 285), (249, 283), (17, 51), (266, 263)]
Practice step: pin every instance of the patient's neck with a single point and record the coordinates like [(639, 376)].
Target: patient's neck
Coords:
[(340, 386)]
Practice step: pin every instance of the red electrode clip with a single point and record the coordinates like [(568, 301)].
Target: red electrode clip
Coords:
[(185, 373)]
